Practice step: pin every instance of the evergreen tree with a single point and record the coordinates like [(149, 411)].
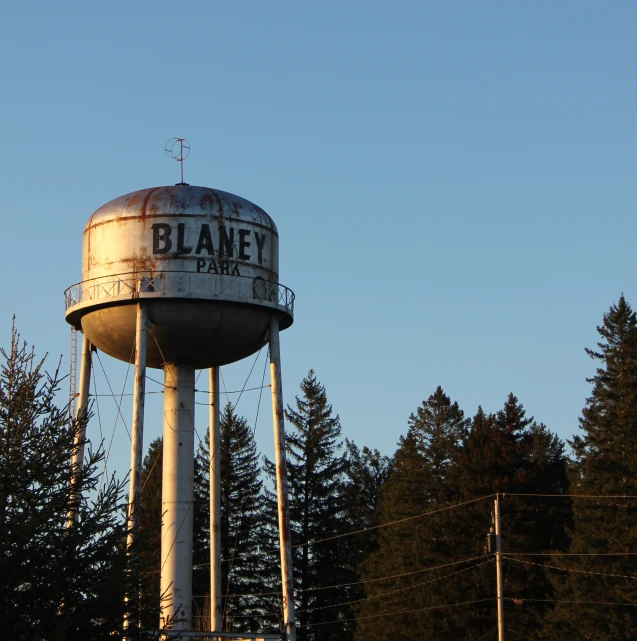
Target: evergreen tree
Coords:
[(440, 463), (317, 511), (242, 529), (56, 581), (417, 484), (605, 463), (148, 550), (509, 453), (366, 471)]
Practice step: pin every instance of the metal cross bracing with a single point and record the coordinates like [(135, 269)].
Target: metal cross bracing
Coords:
[(198, 634)]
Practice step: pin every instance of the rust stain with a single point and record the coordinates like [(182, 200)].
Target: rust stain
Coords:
[(207, 201), (145, 217), (144, 204), (133, 200)]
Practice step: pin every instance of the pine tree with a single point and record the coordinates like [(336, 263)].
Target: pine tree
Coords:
[(57, 582), (316, 482), (242, 529), (605, 463)]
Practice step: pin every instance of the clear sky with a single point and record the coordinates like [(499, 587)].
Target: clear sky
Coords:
[(454, 183)]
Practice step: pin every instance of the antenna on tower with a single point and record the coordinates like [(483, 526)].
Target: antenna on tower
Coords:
[(178, 149)]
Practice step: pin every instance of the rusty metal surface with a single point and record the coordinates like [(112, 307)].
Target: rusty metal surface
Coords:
[(201, 319), (206, 262), (131, 286), (131, 233), (179, 200), (201, 333)]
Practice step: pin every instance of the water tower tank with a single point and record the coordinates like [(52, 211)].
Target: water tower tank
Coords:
[(184, 278), (206, 263)]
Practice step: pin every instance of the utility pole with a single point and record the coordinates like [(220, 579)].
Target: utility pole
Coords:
[(498, 567)]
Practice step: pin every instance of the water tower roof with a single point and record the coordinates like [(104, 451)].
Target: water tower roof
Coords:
[(181, 200)]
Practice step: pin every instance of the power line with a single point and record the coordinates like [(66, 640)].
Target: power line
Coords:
[(365, 581), (573, 496), (394, 576), (390, 614), (369, 529), (432, 512), (384, 594), (555, 567), (376, 527), (573, 553), (610, 603)]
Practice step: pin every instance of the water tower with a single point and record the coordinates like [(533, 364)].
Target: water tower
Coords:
[(181, 278)]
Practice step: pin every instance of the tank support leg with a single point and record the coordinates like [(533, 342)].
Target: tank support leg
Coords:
[(77, 462), (215, 502), (285, 542), (137, 432), (137, 429), (177, 497)]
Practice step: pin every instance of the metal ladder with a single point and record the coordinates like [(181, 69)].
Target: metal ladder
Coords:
[(73, 375)]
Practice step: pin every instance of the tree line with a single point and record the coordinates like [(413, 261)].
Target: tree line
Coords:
[(384, 547)]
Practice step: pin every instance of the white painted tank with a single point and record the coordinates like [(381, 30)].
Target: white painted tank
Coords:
[(205, 261)]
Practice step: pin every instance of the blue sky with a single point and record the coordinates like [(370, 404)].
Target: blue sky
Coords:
[(455, 184)]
